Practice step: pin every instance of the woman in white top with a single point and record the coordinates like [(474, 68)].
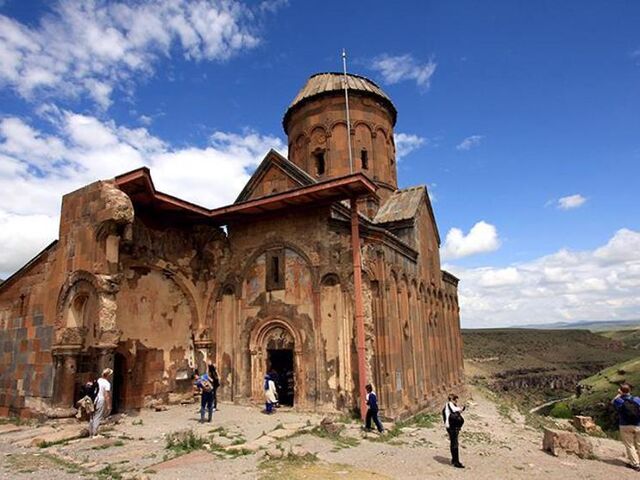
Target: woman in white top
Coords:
[(102, 401), (270, 394), (453, 429)]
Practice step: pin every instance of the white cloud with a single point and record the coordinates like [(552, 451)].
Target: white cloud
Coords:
[(571, 201), (470, 142), (502, 277), (407, 143), (37, 168), (598, 284), (92, 48), (395, 69), (145, 120), (482, 238)]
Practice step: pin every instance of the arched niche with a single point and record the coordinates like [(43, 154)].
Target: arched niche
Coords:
[(77, 321)]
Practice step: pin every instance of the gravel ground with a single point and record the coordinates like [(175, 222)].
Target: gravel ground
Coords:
[(493, 447)]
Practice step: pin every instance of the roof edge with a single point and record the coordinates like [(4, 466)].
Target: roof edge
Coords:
[(18, 273)]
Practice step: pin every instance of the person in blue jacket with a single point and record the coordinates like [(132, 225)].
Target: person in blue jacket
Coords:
[(628, 408), (372, 410)]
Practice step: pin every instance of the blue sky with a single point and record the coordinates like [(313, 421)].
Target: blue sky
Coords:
[(505, 108)]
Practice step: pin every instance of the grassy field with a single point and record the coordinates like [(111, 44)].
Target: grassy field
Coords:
[(534, 366)]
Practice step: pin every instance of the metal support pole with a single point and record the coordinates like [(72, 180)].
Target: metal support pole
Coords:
[(346, 103), (359, 307)]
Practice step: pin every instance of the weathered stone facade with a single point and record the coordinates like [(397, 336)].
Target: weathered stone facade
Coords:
[(154, 287)]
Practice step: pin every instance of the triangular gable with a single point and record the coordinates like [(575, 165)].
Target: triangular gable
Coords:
[(403, 205), (431, 214), (275, 174)]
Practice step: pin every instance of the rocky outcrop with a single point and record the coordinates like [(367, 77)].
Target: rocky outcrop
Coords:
[(560, 443), (586, 425)]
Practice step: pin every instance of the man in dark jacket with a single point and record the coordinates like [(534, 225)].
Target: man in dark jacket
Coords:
[(205, 385), (372, 410), (628, 408)]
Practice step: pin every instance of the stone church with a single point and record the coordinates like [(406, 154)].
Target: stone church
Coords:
[(154, 286)]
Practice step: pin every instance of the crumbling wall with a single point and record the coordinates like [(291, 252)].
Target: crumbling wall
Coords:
[(154, 312), (38, 342), (167, 276), (26, 339)]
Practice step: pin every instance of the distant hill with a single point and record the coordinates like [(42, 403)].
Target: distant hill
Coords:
[(534, 366), (594, 326)]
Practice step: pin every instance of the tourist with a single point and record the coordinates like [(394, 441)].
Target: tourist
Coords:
[(205, 385), (102, 402), (270, 394), (453, 421), (372, 410), (628, 408), (275, 376), (215, 379)]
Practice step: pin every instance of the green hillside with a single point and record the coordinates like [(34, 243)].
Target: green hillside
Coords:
[(601, 388), (534, 366), (629, 337)]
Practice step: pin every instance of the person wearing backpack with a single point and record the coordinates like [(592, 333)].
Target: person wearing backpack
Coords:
[(453, 421), (628, 408), (205, 385), (215, 379)]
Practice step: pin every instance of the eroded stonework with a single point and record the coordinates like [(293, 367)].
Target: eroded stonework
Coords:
[(156, 288)]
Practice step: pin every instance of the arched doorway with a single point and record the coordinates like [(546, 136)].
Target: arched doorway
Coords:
[(119, 383), (275, 350), (279, 347)]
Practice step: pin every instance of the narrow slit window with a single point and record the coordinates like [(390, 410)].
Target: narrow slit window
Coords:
[(275, 269), (364, 159), (320, 164)]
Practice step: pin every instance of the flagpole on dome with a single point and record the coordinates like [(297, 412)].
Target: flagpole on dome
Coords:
[(346, 101)]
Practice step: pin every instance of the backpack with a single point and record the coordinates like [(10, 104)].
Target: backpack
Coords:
[(630, 411), (206, 386), (90, 389), (455, 418)]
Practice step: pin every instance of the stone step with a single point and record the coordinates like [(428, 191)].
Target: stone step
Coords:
[(64, 434), (9, 428)]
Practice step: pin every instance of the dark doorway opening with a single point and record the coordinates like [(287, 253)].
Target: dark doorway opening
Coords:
[(118, 383), (281, 363)]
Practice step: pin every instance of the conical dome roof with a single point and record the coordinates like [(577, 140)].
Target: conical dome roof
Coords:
[(331, 82)]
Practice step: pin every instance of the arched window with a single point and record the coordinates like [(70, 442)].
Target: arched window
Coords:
[(364, 159), (319, 162)]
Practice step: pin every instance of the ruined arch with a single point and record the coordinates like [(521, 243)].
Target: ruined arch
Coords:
[(183, 283), (330, 280)]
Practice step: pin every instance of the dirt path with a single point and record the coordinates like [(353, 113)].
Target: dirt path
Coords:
[(493, 447)]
